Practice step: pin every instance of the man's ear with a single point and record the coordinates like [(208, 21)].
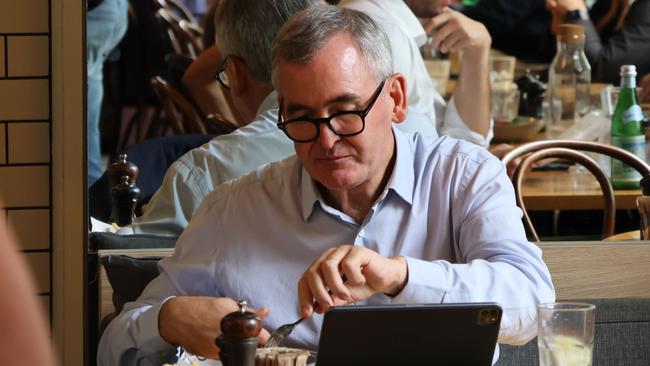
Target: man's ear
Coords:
[(238, 75), (397, 91)]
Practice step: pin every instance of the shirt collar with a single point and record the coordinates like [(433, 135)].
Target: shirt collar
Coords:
[(401, 181), (309, 194), (270, 102)]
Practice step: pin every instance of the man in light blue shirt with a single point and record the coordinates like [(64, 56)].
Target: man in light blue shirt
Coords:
[(368, 212)]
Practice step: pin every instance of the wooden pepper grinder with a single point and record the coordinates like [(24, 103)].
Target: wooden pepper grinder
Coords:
[(238, 340), (124, 195), (120, 168)]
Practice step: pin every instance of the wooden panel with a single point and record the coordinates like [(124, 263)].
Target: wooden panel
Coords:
[(592, 270), (2, 56), (3, 143)]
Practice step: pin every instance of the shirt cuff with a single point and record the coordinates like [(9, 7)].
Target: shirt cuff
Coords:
[(454, 126), (427, 283), (152, 344)]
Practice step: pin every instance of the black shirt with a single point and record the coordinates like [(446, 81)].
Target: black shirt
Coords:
[(520, 28)]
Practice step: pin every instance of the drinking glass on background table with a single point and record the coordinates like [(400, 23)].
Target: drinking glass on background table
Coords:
[(502, 69), (609, 98), (505, 102), (565, 333)]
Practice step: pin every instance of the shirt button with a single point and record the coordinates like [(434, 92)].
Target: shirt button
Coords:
[(361, 232)]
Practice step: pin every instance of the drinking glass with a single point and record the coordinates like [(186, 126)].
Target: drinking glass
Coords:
[(502, 69), (505, 103), (565, 333)]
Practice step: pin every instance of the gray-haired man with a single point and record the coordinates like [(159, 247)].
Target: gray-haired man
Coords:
[(364, 210)]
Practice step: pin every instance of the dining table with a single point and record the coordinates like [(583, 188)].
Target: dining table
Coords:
[(571, 189)]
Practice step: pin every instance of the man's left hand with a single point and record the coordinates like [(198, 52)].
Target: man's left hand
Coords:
[(348, 273), (456, 32)]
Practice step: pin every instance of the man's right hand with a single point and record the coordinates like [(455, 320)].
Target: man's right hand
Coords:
[(193, 323)]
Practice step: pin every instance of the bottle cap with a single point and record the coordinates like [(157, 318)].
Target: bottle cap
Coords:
[(571, 33), (628, 71)]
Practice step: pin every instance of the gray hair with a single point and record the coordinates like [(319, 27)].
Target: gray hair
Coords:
[(247, 28), (307, 32)]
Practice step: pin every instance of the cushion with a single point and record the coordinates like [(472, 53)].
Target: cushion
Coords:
[(99, 241), (129, 276)]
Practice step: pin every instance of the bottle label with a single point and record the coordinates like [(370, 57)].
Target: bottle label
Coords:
[(633, 114), (636, 145)]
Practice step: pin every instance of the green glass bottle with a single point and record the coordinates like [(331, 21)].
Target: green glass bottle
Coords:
[(627, 130)]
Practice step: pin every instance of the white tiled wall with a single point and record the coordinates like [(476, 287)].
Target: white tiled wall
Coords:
[(25, 141)]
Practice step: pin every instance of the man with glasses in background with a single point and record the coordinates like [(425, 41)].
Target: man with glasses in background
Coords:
[(362, 213), (244, 32)]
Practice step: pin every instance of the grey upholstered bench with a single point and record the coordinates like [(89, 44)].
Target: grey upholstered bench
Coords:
[(622, 336)]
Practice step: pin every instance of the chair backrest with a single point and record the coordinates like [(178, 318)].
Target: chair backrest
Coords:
[(613, 151), (218, 125), (566, 149), (183, 39), (179, 113), (178, 8), (575, 156)]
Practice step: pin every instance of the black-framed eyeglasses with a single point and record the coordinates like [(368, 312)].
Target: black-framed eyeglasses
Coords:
[(344, 123), (221, 75)]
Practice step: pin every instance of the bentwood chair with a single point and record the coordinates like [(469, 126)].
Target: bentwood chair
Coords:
[(185, 39), (570, 150), (178, 8), (177, 113)]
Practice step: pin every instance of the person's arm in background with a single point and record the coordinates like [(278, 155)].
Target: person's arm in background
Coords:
[(199, 80), (628, 46), (25, 337), (427, 8), (455, 32)]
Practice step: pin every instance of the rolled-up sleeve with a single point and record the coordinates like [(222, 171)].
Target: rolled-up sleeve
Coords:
[(452, 124), (494, 261)]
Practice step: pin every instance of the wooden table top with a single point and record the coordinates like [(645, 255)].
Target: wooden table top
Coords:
[(570, 190)]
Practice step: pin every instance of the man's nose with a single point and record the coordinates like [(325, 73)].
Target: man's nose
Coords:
[(326, 137)]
